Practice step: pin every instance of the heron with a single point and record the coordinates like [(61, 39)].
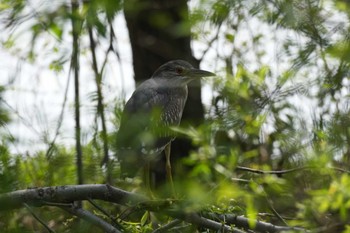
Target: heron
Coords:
[(156, 105)]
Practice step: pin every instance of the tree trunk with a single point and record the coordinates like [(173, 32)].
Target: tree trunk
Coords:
[(159, 31)]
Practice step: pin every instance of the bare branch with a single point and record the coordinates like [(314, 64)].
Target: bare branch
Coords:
[(38, 218), (168, 226), (239, 168), (60, 118), (75, 66), (62, 195), (207, 223), (100, 106), (91, 218), (243, 222), (68, 194), (113, 219)]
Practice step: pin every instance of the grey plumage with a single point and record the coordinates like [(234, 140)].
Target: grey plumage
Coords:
[(154, 106)]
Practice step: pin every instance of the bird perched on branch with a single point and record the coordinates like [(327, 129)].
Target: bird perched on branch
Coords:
[(154, 106)]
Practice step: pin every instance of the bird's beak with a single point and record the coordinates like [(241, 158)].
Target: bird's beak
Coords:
[(196, 73)]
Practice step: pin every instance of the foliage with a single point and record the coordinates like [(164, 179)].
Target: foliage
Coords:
[(275, 143)]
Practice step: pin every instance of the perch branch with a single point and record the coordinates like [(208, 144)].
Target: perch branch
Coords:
[(64, 196)]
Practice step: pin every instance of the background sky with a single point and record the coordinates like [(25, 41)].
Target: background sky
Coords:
[(35, 93)]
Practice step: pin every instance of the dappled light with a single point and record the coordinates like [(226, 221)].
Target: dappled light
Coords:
[(262, 146)]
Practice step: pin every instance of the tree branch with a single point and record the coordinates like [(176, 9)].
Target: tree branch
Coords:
[(75, 66), (113, 219), (247, 169), (64, 196), (100, 106), (38, 218), (91, 218), (206, 223), (168, 226), (68, 194), (243, 222)]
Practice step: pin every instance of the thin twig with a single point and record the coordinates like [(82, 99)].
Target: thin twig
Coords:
[(274, 211), (210, 43), (272, 215), (197, 220), (100, 106), (26, 122), (91, 218), (243, 222), (37, 218), (92, 202), (61, 116), (75, 66), (57, 204), (168, 226), (115, 49), (239, 180), (239, 168), (340, 169)]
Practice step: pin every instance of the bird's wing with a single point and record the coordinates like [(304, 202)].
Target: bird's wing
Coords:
[(141, 114), (136, 127), (144, 99)]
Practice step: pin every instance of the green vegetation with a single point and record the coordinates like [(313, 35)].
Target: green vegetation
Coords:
[(275, 142)]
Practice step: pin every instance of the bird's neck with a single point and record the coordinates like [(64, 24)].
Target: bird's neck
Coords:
[(176, 92)]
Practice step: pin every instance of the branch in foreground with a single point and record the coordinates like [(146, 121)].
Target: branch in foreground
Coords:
[(247, 169), (243, 222), (68, 194), (71, 193), (63, 196), (207, 223)]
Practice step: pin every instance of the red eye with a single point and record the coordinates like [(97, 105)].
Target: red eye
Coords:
[(179, 70)]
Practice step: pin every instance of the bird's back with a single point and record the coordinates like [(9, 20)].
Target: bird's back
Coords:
[(144, 131)]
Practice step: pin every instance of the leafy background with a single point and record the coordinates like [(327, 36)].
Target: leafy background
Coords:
[(279, 103)]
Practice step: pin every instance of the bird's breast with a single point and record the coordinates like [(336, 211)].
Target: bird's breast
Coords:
[(173, 109)]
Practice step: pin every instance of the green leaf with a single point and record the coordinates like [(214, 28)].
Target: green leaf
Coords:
[(252, 213), (230, 37), (56, 30), (145, 218)]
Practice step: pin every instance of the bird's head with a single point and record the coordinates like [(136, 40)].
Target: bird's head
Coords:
[(179, 72)]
